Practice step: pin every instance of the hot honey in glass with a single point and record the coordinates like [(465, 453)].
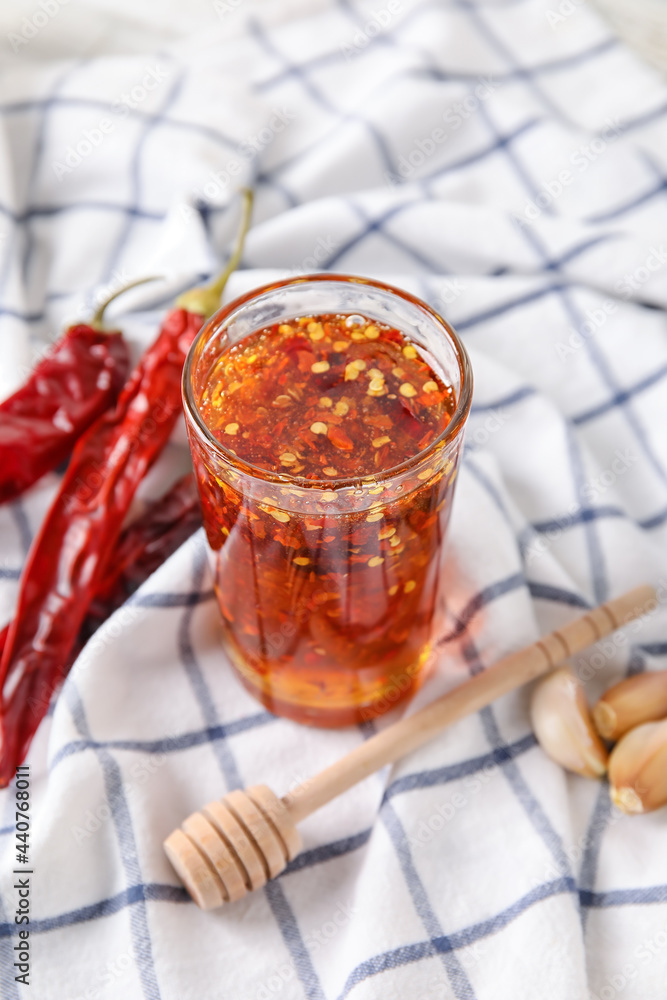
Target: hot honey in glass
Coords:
[(325, 416)]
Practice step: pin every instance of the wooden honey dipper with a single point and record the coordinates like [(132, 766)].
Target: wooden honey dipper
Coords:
[(236, 844)]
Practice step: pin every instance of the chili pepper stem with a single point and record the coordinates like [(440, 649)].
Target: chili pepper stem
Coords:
[(206, 299), (96, 322)]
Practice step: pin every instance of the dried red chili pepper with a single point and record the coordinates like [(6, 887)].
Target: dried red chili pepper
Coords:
[(68, 390), (84, 523), (144, 546)]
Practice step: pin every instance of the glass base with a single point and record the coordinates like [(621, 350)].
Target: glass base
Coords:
[(317, 705)]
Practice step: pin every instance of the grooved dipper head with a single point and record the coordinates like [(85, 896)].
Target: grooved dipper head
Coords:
[(233, 846)]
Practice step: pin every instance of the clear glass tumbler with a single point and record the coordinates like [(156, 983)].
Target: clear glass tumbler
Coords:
[(347, 639)]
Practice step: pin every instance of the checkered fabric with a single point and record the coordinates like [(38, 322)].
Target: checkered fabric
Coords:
[(510, 168)]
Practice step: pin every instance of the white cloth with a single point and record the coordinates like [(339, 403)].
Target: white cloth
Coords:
[(512, 171)]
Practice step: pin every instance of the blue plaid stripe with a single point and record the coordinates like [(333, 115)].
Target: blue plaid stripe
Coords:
[(388, 223), (459, 981), (461, 939), (275, 895), (116, 797)]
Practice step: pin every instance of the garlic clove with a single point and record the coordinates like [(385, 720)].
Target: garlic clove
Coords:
[(631, 703), (563, 726), (638, 769)]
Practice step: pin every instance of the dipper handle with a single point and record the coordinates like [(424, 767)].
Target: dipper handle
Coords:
[(509, 673), (236, 844)]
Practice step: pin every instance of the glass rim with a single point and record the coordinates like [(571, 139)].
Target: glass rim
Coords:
[(448, 434)]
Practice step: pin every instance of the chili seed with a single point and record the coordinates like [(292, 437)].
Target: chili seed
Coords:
[(359, 364), (372, 332), (409, 587), (357, 335), (318, 427), (342, 408), (375, 561), (376, 387), (286, 329), (316, 331), (425, 474), (329, 470), (393, 590), (409, 351), (398, 371), (430, 386), (377, 515), (386, 533), (279, 515), (351, 372), (232, 429), (326, 402), (302, 561), (319, 367), (395, 542), (340, 345), (328, 495), (282, 401), (287, 458), (407, 390), (378, 442)]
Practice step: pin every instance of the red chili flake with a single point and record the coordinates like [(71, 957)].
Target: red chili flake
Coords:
[(367, 568), (339, 439), (306, 360)]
